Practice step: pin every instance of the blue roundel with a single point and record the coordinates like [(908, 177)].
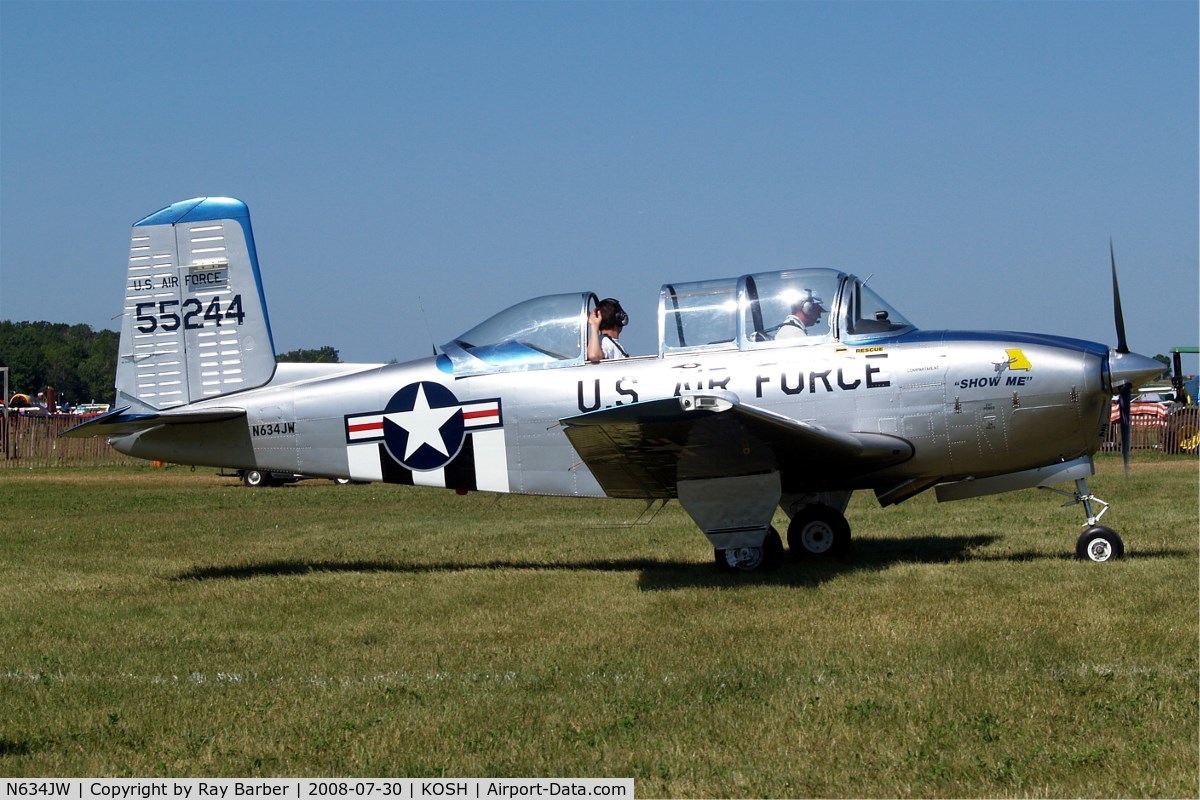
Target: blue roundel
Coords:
[(423, 426)]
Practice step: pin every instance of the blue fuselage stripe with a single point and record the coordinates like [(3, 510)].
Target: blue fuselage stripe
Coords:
[(1015, 337)]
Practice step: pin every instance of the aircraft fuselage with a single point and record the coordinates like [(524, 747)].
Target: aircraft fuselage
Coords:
[(972, 405)]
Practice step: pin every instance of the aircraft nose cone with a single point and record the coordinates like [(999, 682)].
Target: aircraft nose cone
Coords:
[(1133, 369)]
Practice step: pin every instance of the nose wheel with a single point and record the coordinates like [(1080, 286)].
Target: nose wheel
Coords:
[(1099, 544)]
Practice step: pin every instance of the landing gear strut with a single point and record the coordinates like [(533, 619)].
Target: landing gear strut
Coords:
[(1097, 543)]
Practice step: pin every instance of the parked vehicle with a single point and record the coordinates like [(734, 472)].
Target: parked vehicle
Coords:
[(1183, 427), (1164, 415), (257, 479)]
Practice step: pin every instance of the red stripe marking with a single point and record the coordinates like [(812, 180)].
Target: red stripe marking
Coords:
[(365, 426), (495, 412)]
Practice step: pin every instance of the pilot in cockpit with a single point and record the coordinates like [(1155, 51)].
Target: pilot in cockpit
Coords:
[(806, 312), (605, 324)]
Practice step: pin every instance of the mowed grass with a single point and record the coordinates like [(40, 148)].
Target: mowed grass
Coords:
[(159, 622)]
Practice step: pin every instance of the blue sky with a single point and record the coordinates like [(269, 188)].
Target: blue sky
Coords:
[(412, 168)]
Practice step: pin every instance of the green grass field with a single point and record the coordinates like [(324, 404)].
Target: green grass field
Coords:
[(164, 622)]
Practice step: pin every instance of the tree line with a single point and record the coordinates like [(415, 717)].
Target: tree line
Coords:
[(81, 363)]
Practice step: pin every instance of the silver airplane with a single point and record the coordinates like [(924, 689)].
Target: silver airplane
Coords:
[(787, 389)]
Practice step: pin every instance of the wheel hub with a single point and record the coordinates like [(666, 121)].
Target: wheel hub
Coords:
[(745, 558), (817, 537), (1100, 550)]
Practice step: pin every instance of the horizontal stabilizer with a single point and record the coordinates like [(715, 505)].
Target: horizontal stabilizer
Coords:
[(119, 423)]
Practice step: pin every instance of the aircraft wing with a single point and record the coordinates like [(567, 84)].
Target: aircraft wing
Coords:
[(643, 449), (118, 423)]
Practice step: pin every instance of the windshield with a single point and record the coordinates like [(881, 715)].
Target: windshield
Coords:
[(542, 332), (868, 314)]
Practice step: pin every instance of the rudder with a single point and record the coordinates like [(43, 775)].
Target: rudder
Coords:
[(195, 324)]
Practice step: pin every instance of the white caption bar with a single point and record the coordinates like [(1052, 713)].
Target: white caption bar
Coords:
[(305, 788)]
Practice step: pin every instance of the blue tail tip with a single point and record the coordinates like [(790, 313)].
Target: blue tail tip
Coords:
[(198, 209)]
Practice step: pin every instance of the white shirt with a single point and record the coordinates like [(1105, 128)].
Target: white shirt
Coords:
[(611, 347), (792, 328)]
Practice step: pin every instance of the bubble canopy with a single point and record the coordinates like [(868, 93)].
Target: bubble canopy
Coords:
[(789, 308)]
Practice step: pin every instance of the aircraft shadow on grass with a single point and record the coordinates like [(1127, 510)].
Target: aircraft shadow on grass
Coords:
[(15, 747), (658, 575)]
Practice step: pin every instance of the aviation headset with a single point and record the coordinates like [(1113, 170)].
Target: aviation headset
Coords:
[(619, 315), (611, 311), (809, 303)]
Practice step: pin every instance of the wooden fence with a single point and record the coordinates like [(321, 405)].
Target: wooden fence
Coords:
[(1153, 429), (33, 441)]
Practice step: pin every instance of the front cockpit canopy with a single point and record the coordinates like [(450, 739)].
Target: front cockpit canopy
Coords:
[(764, 310)]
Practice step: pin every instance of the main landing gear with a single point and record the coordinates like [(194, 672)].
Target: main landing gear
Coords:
[(1097, 543), (816, 531)]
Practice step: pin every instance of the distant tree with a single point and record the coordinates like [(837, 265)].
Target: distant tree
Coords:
[(98, 371), (80, 363), (321, 355)]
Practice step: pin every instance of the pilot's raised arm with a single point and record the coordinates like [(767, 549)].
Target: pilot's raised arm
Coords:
[(806, 312), (605, 324)]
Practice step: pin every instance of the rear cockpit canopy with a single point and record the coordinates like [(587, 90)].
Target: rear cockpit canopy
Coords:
[(764, 310), (548, 331), (772, 309)]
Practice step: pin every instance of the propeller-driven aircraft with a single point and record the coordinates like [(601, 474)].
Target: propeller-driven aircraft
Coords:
[(788, 389)]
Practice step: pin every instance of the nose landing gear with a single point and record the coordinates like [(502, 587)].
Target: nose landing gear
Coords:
[(1097, 543)]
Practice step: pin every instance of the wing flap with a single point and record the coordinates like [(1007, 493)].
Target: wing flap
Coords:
[(644, 449)]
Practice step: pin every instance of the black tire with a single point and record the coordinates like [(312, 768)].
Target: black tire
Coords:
[(722, 562), (256, 479), (767, 558), (1099, 544), (772, 551), (818, 531)]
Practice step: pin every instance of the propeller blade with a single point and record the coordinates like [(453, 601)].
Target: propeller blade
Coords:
[(1122, 345), (1125, 402)]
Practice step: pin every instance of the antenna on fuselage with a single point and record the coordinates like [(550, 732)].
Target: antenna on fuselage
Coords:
[(425, 319)]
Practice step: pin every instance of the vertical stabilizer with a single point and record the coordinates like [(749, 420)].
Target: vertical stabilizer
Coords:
[(195, 323)]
